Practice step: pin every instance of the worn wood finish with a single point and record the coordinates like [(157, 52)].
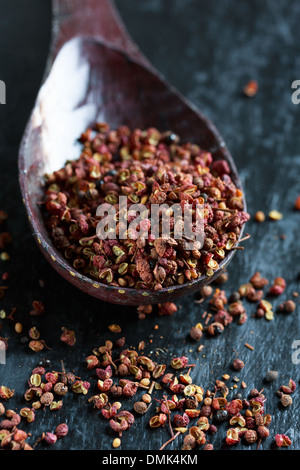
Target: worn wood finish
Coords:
[(208, 50)]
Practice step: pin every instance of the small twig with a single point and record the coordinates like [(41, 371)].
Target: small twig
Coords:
[(246, 237), (134, 254), (169, 415), (10, 316), (39, 439), (184, 262), (189, 239), (170, 440), (109, 358), (231, 211), (258, 443), (151, 387), (208, 318), (47, 347), (141, 386), (227, 221)]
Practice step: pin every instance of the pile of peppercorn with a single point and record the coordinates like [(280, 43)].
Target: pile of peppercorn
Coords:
[(148, 167)]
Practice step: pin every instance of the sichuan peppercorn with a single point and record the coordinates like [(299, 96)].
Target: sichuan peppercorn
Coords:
[(238, 364), (271, 376), (61, 430), (196, 333), (250, 436), (147, 168)]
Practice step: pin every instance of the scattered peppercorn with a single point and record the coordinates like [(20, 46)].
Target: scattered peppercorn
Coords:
[(275, 215), (116, 443), (196, 333), (250, 436), (286, 400), (238, 364), (140, 407), (18, 327), (260, 216), (282, 440), (271, 376), (288, 306), (222, 278), (61, 430), (49, 438)]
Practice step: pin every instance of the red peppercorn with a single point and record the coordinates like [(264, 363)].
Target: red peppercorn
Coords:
[(62, 430), (168, 308), (212, 429), (181, 420), (196, 333), (234, 407), (250, 436), (208, 447), (238, 364), (289, 306), (130, 389), (50, 438), (205, 410), (282, 440), (51, 377), (263, 432)]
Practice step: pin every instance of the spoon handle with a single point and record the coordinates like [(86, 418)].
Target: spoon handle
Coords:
[(93, 18)]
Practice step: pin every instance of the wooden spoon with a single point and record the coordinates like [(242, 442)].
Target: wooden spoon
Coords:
[(95, 72)]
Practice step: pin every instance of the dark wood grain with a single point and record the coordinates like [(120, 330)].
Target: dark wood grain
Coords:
[(208, 50)]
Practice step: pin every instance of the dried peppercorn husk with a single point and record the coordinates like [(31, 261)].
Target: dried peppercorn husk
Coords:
[(49, 438), (61, 430), (36, 345), (196, 333), (68, 336), (282, 440), (28, 414), (232, 437), (238, 364), (6, 393), (140, 407)]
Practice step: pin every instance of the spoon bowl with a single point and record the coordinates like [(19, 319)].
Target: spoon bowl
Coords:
[(92, 79)]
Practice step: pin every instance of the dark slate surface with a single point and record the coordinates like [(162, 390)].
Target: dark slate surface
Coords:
[(208, 50)]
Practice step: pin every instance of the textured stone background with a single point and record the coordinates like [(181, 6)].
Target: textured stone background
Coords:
[(208, 50)]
